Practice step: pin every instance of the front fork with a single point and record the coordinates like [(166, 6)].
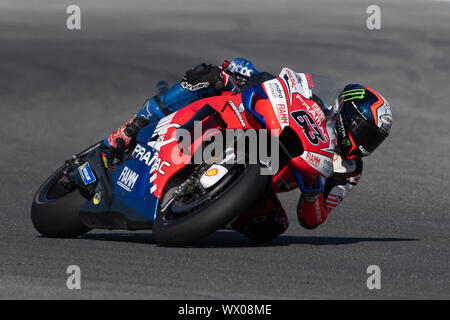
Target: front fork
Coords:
[(87, 172)]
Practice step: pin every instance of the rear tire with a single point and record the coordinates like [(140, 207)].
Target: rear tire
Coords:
[(237, 198), (55, 213)]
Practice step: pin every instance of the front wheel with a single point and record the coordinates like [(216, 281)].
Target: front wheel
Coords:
[(55, 210), (183, 225)]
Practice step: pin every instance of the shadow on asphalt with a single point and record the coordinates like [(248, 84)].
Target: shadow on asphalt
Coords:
[(230, 239)]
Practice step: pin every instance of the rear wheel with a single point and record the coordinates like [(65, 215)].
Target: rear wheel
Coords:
[(55, 209), (180, 224)]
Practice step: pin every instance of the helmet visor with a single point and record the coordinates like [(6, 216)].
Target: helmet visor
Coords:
[(365, 134)]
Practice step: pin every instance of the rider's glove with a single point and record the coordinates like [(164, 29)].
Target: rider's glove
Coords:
[(242, 70), (203, 76)]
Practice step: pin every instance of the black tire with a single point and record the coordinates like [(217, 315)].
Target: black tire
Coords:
[(55, 213), (237, 198)]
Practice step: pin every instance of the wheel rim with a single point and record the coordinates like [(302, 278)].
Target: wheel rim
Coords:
[(170, 215), (53, 190)]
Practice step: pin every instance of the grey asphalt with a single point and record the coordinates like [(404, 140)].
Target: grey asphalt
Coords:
[(62, 90)]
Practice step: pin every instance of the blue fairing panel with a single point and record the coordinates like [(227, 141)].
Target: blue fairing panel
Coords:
[(145, 134), (247, 100), (132, 183)]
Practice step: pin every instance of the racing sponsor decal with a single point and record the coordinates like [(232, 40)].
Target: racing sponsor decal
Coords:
[(275, 90), (142, 154), (127, 179), (97, 198), (342, 132), (314, 109), (312, 159), (165, 124), (237, 112), (157, 168), (317, 113), (349, 95), (278, 101), (309, 80), (364, 152), (194, 87), (282, 114), (211, 172), (148, 114), (161, 130), (297, 82), (321, 163), (304, 85), (87, 176), (105, 159), (291, 80), (213, 175), (150, 158)]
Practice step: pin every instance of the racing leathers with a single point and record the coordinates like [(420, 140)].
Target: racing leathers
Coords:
[(267, 218), (199, 82)]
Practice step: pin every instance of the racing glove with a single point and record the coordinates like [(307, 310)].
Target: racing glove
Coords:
[(199, 82), (313, 211), (346, 175), (203, 76)]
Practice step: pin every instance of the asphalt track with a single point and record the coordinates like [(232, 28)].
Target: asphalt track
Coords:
[(62, 90)]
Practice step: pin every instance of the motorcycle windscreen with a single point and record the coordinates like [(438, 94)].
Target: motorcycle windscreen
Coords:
[(327, 90)]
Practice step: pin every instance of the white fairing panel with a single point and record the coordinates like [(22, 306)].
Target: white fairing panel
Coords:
[(278, 101), (213, 175), (296, 83)]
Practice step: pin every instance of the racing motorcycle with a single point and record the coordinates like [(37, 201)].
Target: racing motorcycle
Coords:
[(184, 201)]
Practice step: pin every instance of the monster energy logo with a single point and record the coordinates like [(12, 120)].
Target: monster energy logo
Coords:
[(353, 94)]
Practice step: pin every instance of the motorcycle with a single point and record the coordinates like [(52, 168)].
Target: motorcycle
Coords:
[(184, 201)]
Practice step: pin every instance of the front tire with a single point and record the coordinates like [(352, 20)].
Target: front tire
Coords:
[(54, 212), (235, 199)]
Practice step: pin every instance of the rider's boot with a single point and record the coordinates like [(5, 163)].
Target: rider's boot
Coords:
[(311, 211), (120, 139), (264, 221)]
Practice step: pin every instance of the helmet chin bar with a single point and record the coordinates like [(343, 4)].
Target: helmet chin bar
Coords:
[(344, 145)]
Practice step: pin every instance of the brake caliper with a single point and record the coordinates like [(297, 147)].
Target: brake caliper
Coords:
[(191, 189)]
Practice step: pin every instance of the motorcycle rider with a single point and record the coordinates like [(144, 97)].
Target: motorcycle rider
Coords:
[(362, 124)]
